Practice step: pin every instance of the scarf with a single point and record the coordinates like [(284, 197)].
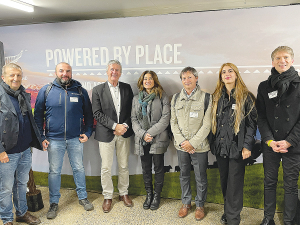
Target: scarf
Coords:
[(281, 81), (145, 100), (19, 94)]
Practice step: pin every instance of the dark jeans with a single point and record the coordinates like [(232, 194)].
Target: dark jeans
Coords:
[(158, 160), (291, 168), (200, 161), (232, 173)]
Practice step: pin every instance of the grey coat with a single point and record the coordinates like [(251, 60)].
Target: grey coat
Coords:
[(159, 119)]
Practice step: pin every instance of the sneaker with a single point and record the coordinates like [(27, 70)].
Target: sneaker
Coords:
[(52, 213), (86, 204)]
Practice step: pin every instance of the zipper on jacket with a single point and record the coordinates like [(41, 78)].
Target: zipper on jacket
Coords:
[(48, 125), (66, 114), (59, 101), (80, 125)]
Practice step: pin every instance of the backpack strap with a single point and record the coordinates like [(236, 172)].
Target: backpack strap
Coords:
[(206, 101), (48, 90), (175, 98)]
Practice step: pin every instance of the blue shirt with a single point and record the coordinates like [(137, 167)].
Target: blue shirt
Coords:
[(24, 138)]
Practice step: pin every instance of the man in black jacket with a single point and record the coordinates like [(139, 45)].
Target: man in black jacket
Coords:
[(111, 102), (18, 132), (279, 124)]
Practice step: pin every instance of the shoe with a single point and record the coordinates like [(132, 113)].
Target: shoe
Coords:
[(86, 204), (148, 200), (183, 211), (9, 223), (28, 218), (106, 206), (52, 213), (267, 221), (156, 201), (127, 201), (199, 214), (223, 219)]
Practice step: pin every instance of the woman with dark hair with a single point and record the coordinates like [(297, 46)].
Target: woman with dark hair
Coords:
[(150, 117), (234, 119)]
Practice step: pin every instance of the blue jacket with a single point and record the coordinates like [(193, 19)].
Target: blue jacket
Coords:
[(9, 123), (67, 113)]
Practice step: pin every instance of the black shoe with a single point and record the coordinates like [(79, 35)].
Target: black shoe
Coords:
[(224, 219), (156, 201), (267, 221), (148, 200), (52, 213)]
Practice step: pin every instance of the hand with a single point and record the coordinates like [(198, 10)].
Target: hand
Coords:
[(45, 144), (3, 157), (246, 153), (283, 146), (187, 147), (279, 146), (120, 129), (83, 138), (148, 137)]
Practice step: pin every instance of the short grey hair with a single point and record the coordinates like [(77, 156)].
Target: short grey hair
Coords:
[(11, 65), (282, 49), (62, 63), (189, 69), (113, 61)]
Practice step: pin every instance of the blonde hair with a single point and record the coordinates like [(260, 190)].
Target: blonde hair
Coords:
[(286, 49), (240, 95), (157, 88)]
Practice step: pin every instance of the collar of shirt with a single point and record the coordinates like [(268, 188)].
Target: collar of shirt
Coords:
[(192, 93), (112, 86)]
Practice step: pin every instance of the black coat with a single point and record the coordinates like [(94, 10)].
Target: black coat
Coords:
[(279, 118), (9, 123), (105, 113), (245, 137)]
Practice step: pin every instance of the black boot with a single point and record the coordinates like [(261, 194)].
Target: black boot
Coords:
[(156, 201), (148, 200)]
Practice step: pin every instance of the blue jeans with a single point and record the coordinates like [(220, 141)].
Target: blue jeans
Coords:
[(56, 152), (14, 176)]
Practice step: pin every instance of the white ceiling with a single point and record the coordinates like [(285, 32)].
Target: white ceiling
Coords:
[(71, 10)]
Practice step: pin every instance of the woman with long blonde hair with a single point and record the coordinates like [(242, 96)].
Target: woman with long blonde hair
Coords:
[(234, 120)]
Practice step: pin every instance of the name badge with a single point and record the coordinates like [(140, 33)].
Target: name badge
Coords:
[(233, 106), (193, 114), (273, 94), (73, 99)]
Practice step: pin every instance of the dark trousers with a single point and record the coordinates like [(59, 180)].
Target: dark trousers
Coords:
[(232, 173), (158, 160), (200, 161), (291, 168)]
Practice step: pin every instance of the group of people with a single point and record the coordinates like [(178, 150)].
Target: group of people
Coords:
[(224, 122)]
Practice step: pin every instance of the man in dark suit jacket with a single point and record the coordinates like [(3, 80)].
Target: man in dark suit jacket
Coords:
[(111, 102)]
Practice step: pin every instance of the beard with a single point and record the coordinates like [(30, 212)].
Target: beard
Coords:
[(65, 82)]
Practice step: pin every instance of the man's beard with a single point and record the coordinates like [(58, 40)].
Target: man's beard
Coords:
[(65, 82)]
